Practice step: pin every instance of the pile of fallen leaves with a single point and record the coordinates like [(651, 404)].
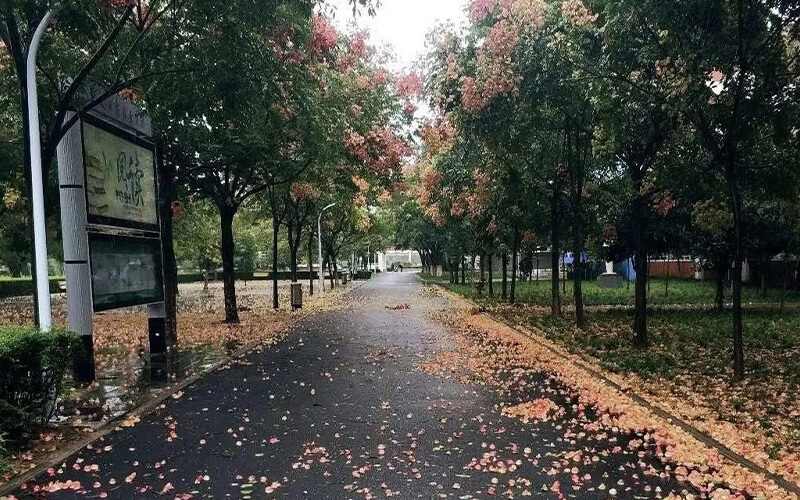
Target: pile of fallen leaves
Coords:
[(532, 411)]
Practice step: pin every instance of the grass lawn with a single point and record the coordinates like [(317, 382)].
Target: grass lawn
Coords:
[(690, 352), (692, 292)]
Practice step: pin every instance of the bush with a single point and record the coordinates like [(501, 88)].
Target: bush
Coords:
[(198, 277), (363, 275), (20, 287), (32, 366), (3, 454)]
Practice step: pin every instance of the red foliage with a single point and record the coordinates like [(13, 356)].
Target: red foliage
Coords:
[(382, 150), (178, 210), (304, 191), (409, 86), (324, 36)]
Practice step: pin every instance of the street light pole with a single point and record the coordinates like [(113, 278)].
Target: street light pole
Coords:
[(319, 240), (39, 227)]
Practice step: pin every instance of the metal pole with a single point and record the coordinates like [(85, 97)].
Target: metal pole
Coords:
[(319, 240), (39, 226)]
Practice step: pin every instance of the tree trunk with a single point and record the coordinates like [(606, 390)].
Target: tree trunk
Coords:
[(514, 265), (276, 226), (577, 269), (170, 271), (720, 269), (472, 270), (491, 274), (227, 213), (555, 306), (640, 295), (335, 271), (331, 276), (294, 247), (311, 264), (640, 263), (738, 257), (483, 268), (785, 279), (463, 260), (505, 276), (206, 274), (738, 331)]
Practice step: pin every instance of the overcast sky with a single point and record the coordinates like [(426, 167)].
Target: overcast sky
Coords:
[(403, 24)]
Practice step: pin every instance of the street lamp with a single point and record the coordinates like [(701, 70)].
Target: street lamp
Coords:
[(319, 240), (39, 227)]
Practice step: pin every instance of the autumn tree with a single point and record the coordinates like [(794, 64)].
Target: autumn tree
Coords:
[(736, 63), (233, 126)]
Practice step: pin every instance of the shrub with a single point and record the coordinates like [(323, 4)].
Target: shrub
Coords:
[(32, 366), (3, 454), (20, 287)]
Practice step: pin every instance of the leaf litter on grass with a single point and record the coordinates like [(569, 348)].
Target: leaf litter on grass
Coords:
[(506, 360)]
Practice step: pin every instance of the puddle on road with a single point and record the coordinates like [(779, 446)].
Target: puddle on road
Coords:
[(128, 384)]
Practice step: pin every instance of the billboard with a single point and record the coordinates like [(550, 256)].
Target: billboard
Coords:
[(126, 271), (120, 178)]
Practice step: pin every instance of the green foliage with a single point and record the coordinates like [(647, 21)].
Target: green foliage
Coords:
[(32, 364), (196, 236), (712, 217)]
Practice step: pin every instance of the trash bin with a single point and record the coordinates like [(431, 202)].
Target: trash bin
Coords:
[(297, 295)]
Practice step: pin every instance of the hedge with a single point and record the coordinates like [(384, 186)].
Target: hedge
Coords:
[(20, 287), (32, 367), (363, 275), (282, 275), (287, 275), (198, 277)]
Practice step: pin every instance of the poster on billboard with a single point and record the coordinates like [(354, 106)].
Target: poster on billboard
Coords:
[(126, 271), (120, 179)]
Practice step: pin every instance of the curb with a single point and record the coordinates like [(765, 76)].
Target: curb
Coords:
[(143, 409), (640, 400)]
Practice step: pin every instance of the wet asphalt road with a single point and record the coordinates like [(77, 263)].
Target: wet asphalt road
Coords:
[(340, 410)]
